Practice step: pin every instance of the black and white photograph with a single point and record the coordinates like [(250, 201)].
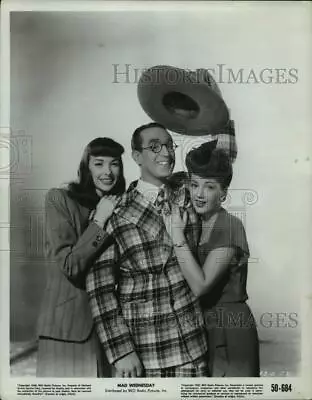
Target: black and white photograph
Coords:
[(156, 177)]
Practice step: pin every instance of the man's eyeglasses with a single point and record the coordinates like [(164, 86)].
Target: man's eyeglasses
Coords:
[(157, 147)]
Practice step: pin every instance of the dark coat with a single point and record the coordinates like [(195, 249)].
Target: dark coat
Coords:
[(72, 245)]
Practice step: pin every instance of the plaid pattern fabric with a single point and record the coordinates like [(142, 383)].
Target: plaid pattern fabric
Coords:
[(226, 140), (198, 368), (139, 298)]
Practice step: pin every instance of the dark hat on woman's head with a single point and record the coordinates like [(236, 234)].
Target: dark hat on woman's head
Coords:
[(209, 161), (103, 146)]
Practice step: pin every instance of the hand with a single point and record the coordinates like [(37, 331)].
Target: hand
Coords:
[(176, 224), (129, 366), (104, 209)]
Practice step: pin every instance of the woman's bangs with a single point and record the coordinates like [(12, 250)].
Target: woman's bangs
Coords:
[(103, 151)]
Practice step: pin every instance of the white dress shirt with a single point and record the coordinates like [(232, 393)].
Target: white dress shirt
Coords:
[(148, 190)]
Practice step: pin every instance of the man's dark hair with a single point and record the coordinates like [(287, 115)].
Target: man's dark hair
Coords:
[(136, 141)]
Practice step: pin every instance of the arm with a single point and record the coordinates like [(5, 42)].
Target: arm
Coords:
[(111, 327), (200, 279), (73, 254)]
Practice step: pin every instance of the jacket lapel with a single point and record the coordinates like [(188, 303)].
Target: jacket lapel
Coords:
[(140, 212)]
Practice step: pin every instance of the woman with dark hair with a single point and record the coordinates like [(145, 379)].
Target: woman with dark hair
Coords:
[(75, 236), (217, 274)]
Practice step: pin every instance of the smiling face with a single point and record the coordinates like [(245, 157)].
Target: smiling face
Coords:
[(155, 167), (105, 172), (206, 194)]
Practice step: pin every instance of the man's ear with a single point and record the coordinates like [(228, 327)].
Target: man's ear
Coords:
[(137, 157)]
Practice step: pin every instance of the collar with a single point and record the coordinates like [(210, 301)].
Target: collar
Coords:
[(177, 192), (148, 190)]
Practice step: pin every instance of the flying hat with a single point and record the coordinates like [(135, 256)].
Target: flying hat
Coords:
[(185, 102)]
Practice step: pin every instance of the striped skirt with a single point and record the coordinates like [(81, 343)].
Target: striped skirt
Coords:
[(62, 359)]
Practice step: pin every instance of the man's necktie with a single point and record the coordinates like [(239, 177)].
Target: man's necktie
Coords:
[(162, 204)]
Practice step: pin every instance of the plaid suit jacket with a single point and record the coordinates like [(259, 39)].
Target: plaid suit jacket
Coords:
[(138, 296)]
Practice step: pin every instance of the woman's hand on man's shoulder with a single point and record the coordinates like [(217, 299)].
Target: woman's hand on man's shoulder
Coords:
[(104, 209)]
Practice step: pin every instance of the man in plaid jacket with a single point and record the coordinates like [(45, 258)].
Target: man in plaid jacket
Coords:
[(147, 319)]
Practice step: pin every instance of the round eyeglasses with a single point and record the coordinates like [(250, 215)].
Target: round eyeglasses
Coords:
[(157, 147)]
